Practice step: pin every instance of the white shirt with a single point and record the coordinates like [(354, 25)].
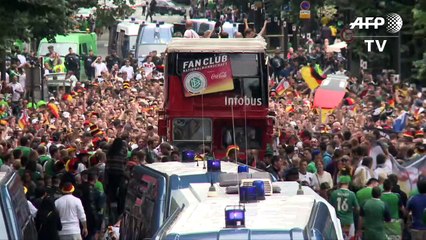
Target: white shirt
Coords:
[(366, 170), (16, 87), (22, 80), (148, 67), (81, 167), (70, 211), (99, 68), (189, 33), (21, 59), (7, 77), (138, 77), (325, 177), (128, 70), (33, 210), (381, 170), (309, 178)]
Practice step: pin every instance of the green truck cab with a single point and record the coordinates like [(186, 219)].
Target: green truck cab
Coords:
[(80, 42), (16, 221)]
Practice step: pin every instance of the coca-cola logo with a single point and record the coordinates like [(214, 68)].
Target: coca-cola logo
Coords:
[(216, 76)]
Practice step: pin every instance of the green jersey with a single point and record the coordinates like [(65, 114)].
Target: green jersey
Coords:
[(99, 186), (344, 201), (26, 151), (393, 202), (374, 213), (363, 195), (42, 159), (49, 168)]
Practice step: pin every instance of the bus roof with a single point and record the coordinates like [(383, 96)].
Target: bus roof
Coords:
[(71, 37), (280, 212), (190, 168), (216, 45), (129, 28)]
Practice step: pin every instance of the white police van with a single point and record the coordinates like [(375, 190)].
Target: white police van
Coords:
[(175, 200)]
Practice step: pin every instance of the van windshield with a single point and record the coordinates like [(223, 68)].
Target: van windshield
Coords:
[(60, 48), (154, 35)]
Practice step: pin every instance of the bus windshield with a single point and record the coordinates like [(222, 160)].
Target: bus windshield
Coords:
[(189, 133), (60, 48), (153, 35)]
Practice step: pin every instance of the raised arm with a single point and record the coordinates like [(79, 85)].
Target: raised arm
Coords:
[(263, 31), (246, 26)]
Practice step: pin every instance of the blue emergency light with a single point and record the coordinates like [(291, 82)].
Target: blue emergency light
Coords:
[(248, 194), (213, 166), (243, 168), (188, 156), (260, 189), (235, 216)]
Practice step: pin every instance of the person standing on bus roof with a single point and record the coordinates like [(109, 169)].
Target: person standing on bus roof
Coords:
[(189, 32), (250, 33)]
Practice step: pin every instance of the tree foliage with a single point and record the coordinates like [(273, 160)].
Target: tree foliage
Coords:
[(106, 16), (33, 19), (419, 28)]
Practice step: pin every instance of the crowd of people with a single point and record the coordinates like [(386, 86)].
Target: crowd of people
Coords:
[(74, 152), (352, 155)]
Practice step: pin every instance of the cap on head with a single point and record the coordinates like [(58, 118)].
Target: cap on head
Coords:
[(68, 188)]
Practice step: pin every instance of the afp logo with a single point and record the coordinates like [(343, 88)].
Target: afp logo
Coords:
[(393, 23)]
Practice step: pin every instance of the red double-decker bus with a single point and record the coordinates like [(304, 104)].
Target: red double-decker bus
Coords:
[(216, 93)]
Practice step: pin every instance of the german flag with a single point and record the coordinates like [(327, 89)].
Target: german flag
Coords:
[(230, 148), (317, 73), (67, 98), (4, 123), (53, 109), (349, 101), (289, 108), (391, 103), (281, 87), (23, 120), (313, 76)]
